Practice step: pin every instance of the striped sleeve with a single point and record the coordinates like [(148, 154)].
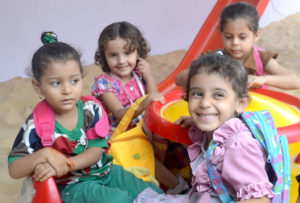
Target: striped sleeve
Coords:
[(26, 142)]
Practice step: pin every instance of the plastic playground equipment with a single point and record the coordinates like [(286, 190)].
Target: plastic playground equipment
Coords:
[(284, 108), (159, 118)]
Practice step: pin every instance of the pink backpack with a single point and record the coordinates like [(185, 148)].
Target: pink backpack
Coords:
[(44, 121)]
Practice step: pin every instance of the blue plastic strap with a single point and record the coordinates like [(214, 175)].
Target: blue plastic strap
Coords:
[(286, 158), (216, 182)]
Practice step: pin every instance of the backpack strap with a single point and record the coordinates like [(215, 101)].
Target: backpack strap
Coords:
[(44, 121), (101, 128), (256, 121), (287, 180), (263, 127), (125, 121), (214, 175)]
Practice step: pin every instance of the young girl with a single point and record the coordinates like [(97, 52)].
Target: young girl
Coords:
[(215, 108), (84, 173), (239, 29), (127, 76)]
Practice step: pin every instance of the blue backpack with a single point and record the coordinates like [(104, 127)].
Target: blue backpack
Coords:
[(263, 127)]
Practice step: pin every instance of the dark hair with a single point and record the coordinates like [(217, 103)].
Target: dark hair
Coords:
[(224, 66), (50, 53), (126, 31), (240, 10)]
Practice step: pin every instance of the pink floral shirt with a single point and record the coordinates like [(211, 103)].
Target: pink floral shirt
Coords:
[(106, 83)]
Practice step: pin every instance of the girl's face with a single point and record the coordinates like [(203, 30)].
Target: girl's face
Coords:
[(238, 39), (212, 101), (120, 59), (61, 85)]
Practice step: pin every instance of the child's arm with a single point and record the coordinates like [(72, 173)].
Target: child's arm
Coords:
[(181, 78), (145, 71), (43, 171), (147, 101), (151, 87), (48, 162), (184, 121), (26, 165), (117, 109), (86, 159), (113, 104), (278, 77)]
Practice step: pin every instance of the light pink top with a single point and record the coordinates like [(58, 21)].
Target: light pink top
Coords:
[(239, 158)]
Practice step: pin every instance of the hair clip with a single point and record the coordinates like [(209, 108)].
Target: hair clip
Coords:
[(48, 37)]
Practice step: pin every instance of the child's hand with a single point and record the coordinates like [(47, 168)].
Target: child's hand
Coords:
[(156, 97), (144, 68), (43, 171), (184, 121), (256, 81), (147, 101), (59, 162)]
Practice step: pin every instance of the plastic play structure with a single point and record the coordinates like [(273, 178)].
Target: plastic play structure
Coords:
[(159, 118), (284, 108)]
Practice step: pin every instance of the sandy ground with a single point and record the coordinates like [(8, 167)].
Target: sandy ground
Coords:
[(18, 97)]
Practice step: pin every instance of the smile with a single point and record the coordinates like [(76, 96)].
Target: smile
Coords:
[(206, 117), (122, 67)]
